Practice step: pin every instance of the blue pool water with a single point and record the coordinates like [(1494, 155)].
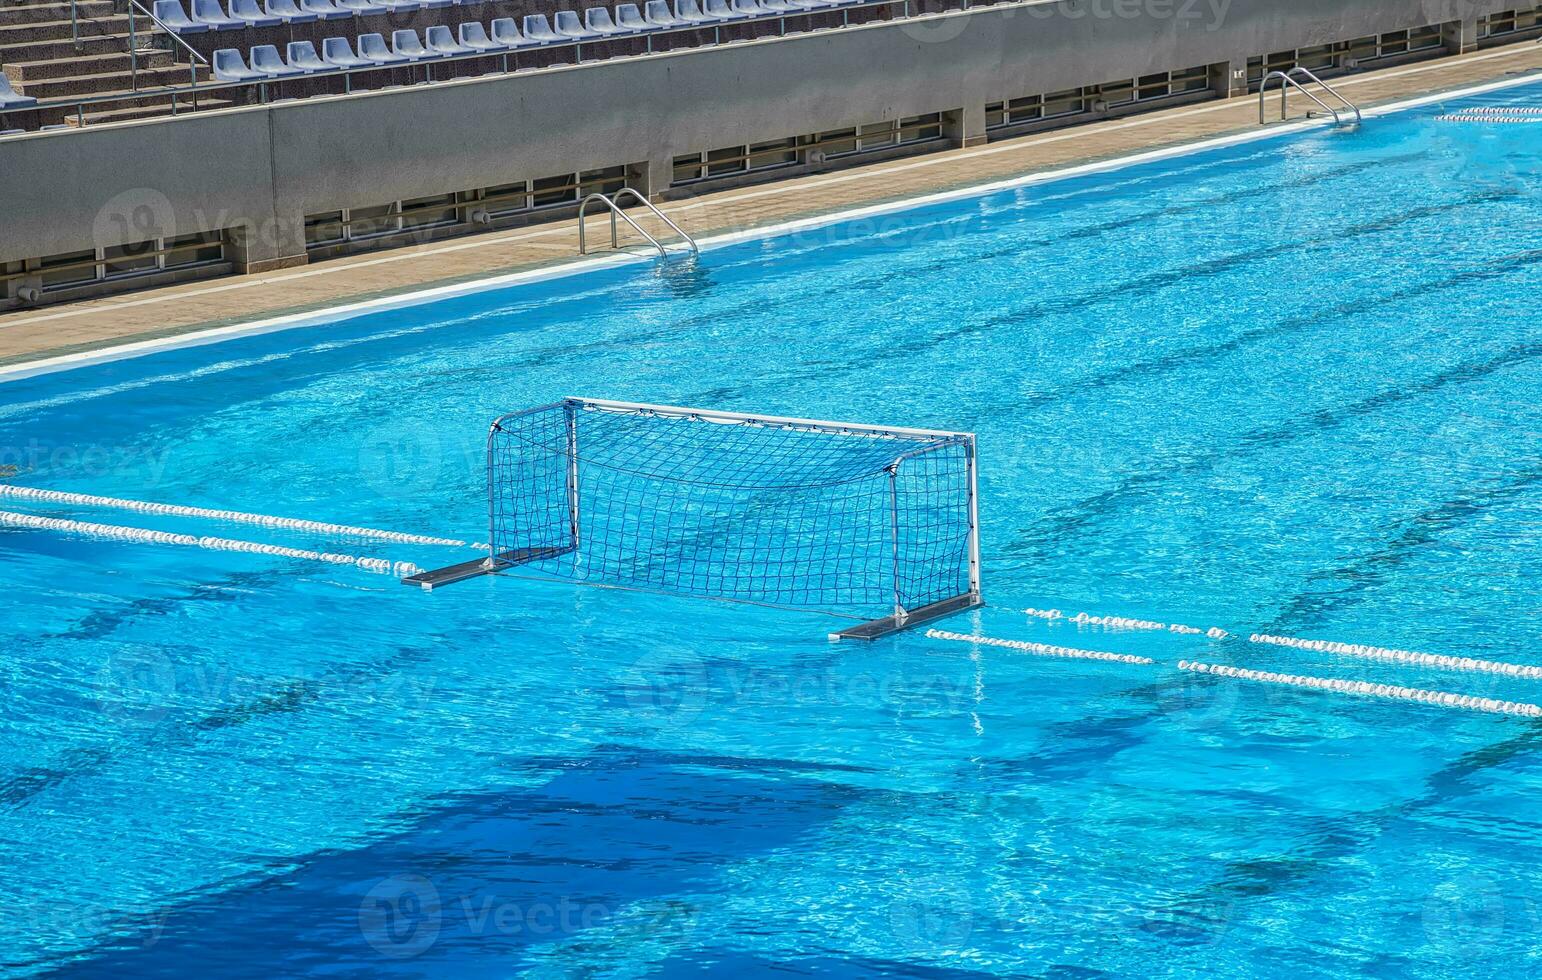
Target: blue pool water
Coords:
[(1289, 386)]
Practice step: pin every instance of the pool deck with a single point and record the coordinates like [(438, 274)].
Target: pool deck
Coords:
[(97, 324)]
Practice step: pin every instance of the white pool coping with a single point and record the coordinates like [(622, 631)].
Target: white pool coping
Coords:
[(310, 318)]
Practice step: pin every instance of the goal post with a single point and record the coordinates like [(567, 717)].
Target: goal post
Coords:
[(876, 523)]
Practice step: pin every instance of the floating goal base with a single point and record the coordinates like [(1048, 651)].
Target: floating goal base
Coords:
[(429, 581), (876, 628)]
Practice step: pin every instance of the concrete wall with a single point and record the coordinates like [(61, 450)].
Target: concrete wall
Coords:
[(262, 168)]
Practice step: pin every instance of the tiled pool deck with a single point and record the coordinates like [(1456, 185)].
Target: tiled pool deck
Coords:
[(56, 331)]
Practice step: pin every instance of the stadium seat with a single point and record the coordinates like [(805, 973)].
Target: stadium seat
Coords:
[(779, 7), (372, 48), (287, 11), (302, 55), (230, 67), (359, 8), (746, 8), (630, 19), (175, 19), (266, 59), (474, 36), (439, 40), (720, 10), (569, 26), (210, 12), (325, 9), (251, 15), (597, 20), (537, 30), (408, 45), (657, 13), (402, 6), (336, 52), (10, 98), (689, 12), (435, 4)]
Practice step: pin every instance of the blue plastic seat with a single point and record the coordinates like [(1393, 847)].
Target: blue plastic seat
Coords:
[(266, 59), (372, 48), (325, 9), (250, 14), (440, 41), (287, 11), (568, 26), (537, 30), (657, 13), (175, 19), (719, 10), (402, 6), (210, 12), (229, 66), (360, 8), (408, 45), (435, 4), (778, 7), (630, 19), (691, 13), (302, 55), (744, 8), (474, 36), (336, 52), (597, 20), (10, 98)]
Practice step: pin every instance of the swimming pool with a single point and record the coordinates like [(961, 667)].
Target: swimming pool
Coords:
[(1287, 387)]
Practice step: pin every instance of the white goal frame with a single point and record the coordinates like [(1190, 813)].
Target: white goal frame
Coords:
[(901, 617)]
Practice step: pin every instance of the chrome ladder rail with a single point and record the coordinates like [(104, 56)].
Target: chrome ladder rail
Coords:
[(612, 202), (1288, 80)]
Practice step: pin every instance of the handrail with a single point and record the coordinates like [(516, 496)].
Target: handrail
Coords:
[(616, 199), (1329, 89), (79, 104), (583, 248), (135, 5), (1287, 81)]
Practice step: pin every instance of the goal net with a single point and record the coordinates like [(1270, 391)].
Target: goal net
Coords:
[(861, 520)]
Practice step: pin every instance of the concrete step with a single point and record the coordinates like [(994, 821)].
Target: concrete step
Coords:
[(64, 48), (117, 81), (59, 30), (33, 13), (161, 107), (30, 72)]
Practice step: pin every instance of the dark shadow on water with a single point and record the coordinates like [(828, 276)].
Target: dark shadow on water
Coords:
[(610, 846)]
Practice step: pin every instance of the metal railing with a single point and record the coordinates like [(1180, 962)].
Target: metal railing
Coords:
[(508, 59), (194, 58), (614, 204), (1288, 81)]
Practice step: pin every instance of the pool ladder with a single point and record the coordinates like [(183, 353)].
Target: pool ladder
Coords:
[(1288, 80), (613, 203)]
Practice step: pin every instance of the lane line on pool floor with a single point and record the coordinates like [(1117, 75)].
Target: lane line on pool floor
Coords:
[(1408, 657), (1368, 689)]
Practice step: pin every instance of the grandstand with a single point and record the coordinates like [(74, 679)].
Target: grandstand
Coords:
[(351, 125)]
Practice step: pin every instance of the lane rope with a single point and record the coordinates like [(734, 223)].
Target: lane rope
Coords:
[(235, 516), (1409, 657), (1042, 649), (140, 535), (1122, 622), (1368, 689)]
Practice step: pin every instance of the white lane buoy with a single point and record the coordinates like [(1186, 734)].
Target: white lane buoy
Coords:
[(1408, 657), (1042, 649), (233, 516), (140, 535), (1368, 689)]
